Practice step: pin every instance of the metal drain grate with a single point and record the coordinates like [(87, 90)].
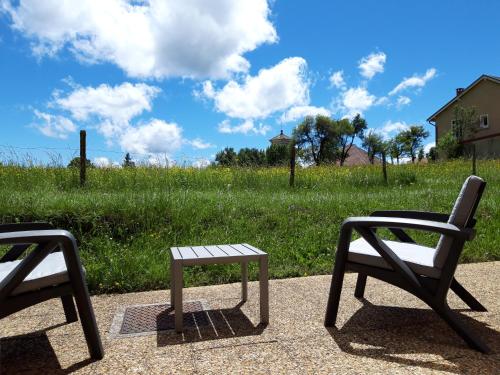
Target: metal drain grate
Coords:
[(153, 318)]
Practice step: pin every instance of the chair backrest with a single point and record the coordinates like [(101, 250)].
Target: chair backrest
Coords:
[(462, 215)]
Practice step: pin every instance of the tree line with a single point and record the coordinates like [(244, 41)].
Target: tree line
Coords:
[(324, 140)]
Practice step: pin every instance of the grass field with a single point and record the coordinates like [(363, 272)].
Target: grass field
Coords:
[(125, 220)]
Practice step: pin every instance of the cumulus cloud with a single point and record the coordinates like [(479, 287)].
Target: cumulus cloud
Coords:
[(337, 79), (155, 38), (372, 64), (155, 137), (402, 101), (428, 146), (416, 81), (299, 112), (200, 144), (271, 90), (201, 163), (54, 126), (391, 128), (356, 100), (247, 127), (104, 162)]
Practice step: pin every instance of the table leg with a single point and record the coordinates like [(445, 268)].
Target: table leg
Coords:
[(244, 281), (264, 289), (178, 296)]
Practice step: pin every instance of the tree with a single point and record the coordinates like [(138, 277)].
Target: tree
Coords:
[(278, 155), (226, 157), (466, 127), (251, 157), (448, 146), (128, 162), (75, 163), (347, 131), (374, 144), (317, 138), (432, 154), (420, 154), (412, 140), (395, 149)]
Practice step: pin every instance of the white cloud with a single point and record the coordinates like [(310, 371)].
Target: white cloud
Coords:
[(155, 137), (299, 112), (428, 146), (54, 126), (155, 38), (402, 101), (246, 127), (271, 90), (392, 128), (102, 162), (356, 100), (337, 79), (118, 104), (201, 163), (416, 80), (372, 64), (200, 144)]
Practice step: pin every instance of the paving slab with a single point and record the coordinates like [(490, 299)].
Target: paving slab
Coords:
[(390, 331)]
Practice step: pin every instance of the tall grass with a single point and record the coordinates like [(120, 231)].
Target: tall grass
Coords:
[(125, 220)]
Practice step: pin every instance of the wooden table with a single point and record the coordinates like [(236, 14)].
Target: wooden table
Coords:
[(218, 254)]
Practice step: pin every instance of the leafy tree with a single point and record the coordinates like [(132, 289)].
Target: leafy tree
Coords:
[(449, 147), (466, 127), (226, 157), (317, 139), (432, 154), (395, 149), (128, 162), (75, 163), (374, 144), (251, 157), (420, 154), (278, 155), (413, 140), (347, 131)]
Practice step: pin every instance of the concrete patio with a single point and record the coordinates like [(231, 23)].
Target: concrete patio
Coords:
[(389, 332)]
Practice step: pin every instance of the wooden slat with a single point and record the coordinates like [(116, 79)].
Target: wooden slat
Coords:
[(244, 250), (187, 253), (216, 252), (175, 253), (201, 252), (229, 250), (258, 251)]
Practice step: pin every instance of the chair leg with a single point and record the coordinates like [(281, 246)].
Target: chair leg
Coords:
[(88, 321), (335, 290), (463, 330), (69, 309), (359, 292), (465, 296)]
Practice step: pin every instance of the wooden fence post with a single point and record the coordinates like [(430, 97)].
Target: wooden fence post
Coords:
[(292, 165), (83, 156)]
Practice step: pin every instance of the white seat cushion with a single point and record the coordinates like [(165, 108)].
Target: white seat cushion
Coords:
[(51, 271), (419, 258)]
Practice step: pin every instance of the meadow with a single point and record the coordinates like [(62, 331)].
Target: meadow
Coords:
[(125, 220)]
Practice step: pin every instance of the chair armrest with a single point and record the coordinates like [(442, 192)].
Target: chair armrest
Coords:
[(17, 227), (35, 236), (426, 225), (408, 214)]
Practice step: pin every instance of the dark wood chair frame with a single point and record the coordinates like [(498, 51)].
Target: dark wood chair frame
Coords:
[(432, 291), (22, 237)]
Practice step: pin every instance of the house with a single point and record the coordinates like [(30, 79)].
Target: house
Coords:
[(358, 156), (484, 95), (281, 139)]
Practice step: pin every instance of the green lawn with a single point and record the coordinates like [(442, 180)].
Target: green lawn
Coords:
[(126, 220)]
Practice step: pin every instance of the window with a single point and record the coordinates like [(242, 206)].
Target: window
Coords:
[(483, 121), (456, 129)]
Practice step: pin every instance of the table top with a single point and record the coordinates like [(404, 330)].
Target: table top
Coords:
[(235, 252)]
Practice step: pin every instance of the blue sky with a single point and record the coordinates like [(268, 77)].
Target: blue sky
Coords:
[(185, 79)]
